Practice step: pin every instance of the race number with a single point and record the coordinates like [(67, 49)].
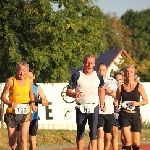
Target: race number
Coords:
[(87, 108), (22, 109)]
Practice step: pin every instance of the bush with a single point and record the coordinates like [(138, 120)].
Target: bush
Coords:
[(145, 125)]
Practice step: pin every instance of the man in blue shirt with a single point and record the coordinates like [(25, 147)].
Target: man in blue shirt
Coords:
[(39, 98)]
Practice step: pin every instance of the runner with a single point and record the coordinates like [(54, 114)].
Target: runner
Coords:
[(19, 110), (129, 115), (18, 129), (38, 92), (119, 78), (106, 118), (88, 84)]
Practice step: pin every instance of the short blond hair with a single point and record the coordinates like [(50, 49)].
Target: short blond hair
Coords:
[(136, 78), (88, 56)]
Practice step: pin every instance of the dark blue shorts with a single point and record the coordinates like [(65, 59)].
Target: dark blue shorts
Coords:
[(81, 120), (33, 128)]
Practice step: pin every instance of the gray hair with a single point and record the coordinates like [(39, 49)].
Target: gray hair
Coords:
[(22, 63)]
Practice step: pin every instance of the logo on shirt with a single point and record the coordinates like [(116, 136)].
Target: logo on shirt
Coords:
[(67, 113), (66, 98)]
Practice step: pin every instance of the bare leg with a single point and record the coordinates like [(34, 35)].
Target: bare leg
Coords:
[(12, 137), (24, 133), (100, 139), (32, 141)]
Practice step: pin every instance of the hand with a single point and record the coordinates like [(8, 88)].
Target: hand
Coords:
[(134, 103), (115, 103), (34, 108), (44, 102), (107, 89), (103, 108), (12, 105), (78, 94)]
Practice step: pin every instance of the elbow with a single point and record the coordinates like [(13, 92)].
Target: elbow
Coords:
[(146, 102), (2, 98)]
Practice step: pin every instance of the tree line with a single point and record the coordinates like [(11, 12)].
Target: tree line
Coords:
[(53, 41)]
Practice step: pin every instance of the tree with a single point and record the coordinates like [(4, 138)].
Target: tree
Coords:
[(117, 35), (49, 41), (77, 31), (139, 23), (23, 35)]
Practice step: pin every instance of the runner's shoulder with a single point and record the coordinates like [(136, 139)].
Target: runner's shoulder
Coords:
[(98, 74), (76, 75), (10, 79)]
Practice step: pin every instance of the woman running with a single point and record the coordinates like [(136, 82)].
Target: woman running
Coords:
[(129, 115)]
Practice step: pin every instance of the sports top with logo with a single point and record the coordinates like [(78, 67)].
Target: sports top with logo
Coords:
[(113, 85), (20, 95), (35, 91), (88, 85)]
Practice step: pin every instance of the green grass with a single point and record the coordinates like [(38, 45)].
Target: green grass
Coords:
[(59, 137)]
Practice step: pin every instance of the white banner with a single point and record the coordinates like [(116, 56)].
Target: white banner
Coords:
[(61, 115)]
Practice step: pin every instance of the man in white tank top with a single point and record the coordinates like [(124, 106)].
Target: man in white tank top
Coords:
[(106, 116), (88, 85)]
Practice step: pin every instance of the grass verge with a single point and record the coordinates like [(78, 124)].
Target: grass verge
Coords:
[(59, 137)]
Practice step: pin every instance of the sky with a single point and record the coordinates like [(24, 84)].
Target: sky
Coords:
[(121, 6)]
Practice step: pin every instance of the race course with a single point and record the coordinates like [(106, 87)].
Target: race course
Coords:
[(143, 147)]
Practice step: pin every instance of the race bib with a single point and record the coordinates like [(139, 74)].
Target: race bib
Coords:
[(87, 108), (22, 109)]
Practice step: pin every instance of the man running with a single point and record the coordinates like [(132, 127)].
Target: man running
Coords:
[(106, 116), (88, 85), (21, 100), (38, 92)]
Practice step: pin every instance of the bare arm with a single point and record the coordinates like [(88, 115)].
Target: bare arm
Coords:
[(31, 95), (101, 94), (111, 93), (118, 95), (42, 96), (143, 94), (8, 85), (70, 93)]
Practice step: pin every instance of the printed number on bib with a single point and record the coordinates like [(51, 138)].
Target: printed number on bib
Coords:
[(87, 108), (128, 105), (21, 109)]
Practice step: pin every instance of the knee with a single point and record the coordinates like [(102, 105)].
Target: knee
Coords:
[(12, 144), (80, 136), (107, 137), (136, 144), (100, 134), (122, 138), (23, 138), (127, 140), (115, 134), (32, 141)]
